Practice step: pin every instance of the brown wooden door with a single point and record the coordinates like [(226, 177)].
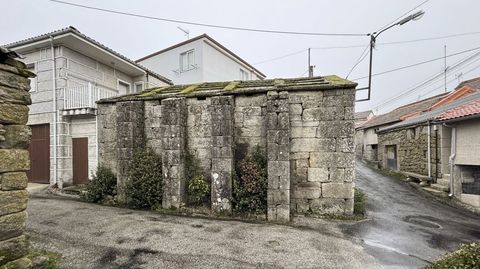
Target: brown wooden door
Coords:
[(80, 160), (39, 150)]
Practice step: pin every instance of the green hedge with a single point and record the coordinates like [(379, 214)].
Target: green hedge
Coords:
[(102, 185), (466, 257)]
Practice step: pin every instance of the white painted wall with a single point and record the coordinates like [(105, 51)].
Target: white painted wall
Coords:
[(468, 142), (212, 64), (168, 64), (219, 66)]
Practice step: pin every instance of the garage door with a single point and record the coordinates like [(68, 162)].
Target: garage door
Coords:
[(39, 154)]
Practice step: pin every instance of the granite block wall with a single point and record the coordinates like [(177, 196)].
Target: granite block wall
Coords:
[(308, 137), (14, 159)]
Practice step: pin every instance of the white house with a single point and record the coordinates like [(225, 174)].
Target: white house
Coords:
[(200, 59), (73, 71)]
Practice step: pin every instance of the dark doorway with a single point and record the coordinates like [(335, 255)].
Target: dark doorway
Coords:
[(391, 152), (39, 151), (80, 160)]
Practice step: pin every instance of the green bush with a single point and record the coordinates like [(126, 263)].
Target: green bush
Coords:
[(198, 187), (250, 184), (103, 184), (198, 190), (466, 257), (359, 203), (144, 186)]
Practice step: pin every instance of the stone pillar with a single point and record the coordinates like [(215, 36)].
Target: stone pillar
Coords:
[(278, 154), (14, 160), (130, 137), (173, 136), (221, 110)]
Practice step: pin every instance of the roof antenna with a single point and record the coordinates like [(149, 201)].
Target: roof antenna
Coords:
[(186, 31)]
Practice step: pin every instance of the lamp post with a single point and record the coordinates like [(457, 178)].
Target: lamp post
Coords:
[(373, 39)]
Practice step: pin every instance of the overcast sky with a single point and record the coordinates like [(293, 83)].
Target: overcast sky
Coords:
[(137, 37)]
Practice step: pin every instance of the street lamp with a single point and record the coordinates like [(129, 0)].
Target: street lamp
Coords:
[(373, 39)]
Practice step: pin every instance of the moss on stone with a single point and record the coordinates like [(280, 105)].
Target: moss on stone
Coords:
[(43, 259), (190, 89), (232, 85)]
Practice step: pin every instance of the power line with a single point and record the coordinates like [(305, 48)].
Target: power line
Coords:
[(404, 14), (280, 57), (429, 80), (360, 59), (206, 24), (417, 64)]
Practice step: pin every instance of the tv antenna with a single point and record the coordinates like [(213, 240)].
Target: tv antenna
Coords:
[(186, 31)]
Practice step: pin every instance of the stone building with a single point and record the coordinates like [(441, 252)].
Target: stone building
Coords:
[(361, 118), (73, 71), (305, 127)]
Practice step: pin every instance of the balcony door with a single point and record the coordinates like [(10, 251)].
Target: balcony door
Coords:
[(123, 87)]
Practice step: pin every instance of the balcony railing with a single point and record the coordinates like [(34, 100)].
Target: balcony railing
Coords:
[(85, 96)]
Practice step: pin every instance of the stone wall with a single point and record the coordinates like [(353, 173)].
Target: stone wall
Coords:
[(14, 159), (307, 135), (412, 146)]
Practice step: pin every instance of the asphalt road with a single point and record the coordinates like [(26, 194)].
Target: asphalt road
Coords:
[(405, 229), (94, 236)]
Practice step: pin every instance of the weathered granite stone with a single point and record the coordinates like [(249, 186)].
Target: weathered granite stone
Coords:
[(13, 249), (13, 201), (222, 113), (13, 181), (22, 263), (337, 190), (12, 225), (14, 96), (8, 79), (16, 136), (13, 114), (14, 160)]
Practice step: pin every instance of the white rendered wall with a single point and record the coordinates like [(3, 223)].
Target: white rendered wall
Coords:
[(468, 143)]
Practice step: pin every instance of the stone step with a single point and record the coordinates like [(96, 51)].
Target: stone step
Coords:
[(435, 192), (443, 181), (440, 187)]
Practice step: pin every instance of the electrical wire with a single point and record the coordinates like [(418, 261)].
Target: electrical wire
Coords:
[(360, 59), (280, 57), (206, 24), (417, 64), (404, 14), (427, 82)]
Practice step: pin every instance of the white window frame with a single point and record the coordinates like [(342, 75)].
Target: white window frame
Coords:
[(125, 82), (33, 80), (138, 83), (244, 75), (190, 65)]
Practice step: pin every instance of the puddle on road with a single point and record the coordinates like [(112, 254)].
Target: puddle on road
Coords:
[(424, 221)]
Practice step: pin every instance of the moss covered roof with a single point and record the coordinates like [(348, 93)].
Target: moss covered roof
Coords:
[(236, 87)]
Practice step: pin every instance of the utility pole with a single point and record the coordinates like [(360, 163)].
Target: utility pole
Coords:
[(445, 66), (310, 67)]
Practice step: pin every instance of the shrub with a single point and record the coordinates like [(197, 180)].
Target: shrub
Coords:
[(198, 187), (144, 186), (198, 190), (102, 185), (466, 257), (359, 203), (250, 184)]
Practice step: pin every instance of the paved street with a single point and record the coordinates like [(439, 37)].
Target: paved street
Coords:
[(404, 230)]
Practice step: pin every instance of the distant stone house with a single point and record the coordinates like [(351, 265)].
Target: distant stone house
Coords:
[(463, 122), (420, 146), (369, 128), (304, 126), (360, 118), (200, 59), (73, 71)]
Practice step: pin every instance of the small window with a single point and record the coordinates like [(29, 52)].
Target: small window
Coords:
[(411, 133), (123, 87), (33, 81), (244, 75), (138, 86), (187, 61)]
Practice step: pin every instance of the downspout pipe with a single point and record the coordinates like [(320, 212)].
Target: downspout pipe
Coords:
[(54, 96), (429, 151), (451, 158)]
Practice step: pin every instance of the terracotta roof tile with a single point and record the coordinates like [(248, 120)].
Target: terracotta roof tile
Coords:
[(465, 110)]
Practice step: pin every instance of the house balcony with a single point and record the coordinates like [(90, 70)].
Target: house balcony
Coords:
[(82, 100)]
